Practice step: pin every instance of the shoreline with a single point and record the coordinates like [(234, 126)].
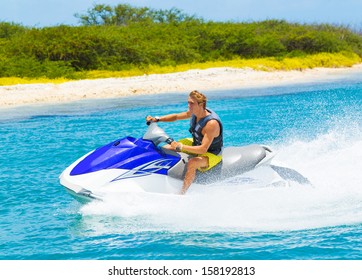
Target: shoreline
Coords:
[(202, 80)]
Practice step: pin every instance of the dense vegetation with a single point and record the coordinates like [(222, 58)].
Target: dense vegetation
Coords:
[(123, 38)]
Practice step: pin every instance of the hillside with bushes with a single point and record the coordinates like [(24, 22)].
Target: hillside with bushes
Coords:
[(122, 38)]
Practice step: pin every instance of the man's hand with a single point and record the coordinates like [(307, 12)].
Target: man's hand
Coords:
[(176, 146), (152, 119)]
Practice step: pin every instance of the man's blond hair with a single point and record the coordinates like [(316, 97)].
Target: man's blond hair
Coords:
[(200, 98)]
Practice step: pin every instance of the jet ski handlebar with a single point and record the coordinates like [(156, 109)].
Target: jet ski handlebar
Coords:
[(156, 134)]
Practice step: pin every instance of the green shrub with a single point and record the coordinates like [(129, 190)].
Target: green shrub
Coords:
[(125, 38)]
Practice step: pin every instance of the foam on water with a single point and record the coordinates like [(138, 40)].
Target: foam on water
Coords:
[(331, 161), (317, 130)]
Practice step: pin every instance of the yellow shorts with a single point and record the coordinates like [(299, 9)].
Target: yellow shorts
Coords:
[(213, 159)]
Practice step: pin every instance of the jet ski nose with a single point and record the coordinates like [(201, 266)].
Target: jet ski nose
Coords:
[(127, 153), (105, 157)]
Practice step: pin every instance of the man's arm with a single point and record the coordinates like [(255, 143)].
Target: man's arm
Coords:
[(171, 117), (211, 130)]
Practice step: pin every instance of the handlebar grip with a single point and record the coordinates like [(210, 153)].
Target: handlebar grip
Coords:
[(169, 140)]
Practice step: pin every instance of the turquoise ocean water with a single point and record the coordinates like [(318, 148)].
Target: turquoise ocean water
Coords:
[(316, 129)]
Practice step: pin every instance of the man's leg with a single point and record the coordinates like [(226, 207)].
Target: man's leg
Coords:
[(192, 166)]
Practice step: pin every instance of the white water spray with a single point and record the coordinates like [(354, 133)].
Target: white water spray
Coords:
[(332, 162)]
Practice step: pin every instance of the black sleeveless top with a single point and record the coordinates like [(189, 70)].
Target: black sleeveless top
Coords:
[(196, 129)]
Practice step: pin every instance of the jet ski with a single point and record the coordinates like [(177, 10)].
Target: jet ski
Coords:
[(143, 165)]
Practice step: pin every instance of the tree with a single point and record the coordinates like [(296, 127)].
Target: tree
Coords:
[(124, 14), (100, 14)]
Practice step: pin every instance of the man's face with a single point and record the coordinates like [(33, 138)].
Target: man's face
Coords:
[(193, 105)]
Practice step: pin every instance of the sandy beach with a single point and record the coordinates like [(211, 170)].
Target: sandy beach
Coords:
[(203, 80)]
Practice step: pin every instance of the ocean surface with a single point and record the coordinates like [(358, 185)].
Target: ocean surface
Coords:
[(316, 129)]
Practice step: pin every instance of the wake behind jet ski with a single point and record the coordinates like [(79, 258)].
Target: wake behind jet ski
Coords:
[(142, 165)]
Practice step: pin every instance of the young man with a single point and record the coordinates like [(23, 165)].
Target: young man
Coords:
[(207, 133)]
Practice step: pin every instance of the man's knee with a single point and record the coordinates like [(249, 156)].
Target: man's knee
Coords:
[(197, 162)]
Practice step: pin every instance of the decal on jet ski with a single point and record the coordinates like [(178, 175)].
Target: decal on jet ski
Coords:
[(146, 169)]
